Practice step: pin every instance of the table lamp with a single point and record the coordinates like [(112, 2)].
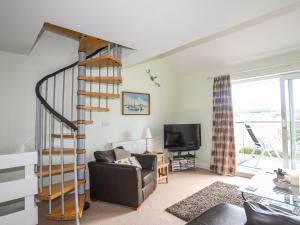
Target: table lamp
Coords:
[(146, 135)]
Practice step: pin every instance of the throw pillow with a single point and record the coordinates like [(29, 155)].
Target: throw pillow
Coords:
[(132, 161), (258, 214), (107, 156), (121, 153)]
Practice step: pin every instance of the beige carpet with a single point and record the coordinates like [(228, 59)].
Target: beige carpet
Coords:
[(152, 211)]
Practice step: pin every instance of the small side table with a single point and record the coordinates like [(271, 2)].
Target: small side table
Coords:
[(159, 155), (163, 172)]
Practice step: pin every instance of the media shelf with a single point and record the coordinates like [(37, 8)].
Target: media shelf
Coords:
[(182, 160)]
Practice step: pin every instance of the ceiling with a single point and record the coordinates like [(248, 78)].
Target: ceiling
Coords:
[(272, 37), (205, 31)]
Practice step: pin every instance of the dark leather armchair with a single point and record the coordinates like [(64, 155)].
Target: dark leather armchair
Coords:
[(123, 184)]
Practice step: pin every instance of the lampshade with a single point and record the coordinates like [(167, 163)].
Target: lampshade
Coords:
[(146, 133)]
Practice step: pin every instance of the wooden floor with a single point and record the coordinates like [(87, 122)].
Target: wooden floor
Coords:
[(152, 211)]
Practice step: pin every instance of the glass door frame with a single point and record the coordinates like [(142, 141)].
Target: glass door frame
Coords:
[(284, 124), (289, 78)]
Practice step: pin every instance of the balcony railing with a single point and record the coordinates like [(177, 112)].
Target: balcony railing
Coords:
[(269, 135)]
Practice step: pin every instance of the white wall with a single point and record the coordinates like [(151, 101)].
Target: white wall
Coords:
[(113, 126), (195, 94), (19, 74)]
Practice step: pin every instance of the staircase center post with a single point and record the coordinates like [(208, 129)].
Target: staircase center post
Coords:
[(81, 117)]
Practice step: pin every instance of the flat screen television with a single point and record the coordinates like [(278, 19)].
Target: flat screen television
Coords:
[(182, 137)]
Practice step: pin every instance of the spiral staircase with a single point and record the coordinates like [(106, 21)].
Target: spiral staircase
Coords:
[(65, 102)]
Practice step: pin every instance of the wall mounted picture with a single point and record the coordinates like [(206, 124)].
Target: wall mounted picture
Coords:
[(134, 103)]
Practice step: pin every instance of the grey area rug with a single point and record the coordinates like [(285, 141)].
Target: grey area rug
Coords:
[(212, 195)]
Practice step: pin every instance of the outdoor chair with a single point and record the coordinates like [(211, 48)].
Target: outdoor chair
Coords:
[(262, 144)]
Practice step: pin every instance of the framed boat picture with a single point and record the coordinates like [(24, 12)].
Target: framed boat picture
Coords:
[(134, 103)]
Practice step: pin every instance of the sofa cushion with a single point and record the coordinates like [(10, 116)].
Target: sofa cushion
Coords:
[(132, 161), (147, 161), (258, 214), (107, 156), (121, 153), (148, 189), (220, 215), (147, 177)]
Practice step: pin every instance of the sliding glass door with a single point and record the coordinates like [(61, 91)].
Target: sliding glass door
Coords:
[(291, 123), (267, 123), (258, 126)]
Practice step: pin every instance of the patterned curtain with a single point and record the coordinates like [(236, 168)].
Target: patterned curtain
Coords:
[(223, 148)]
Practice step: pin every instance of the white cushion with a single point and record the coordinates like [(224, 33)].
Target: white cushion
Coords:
[(121, 153), (129, 161)]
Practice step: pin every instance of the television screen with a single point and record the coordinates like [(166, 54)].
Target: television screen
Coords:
[(182, 137)]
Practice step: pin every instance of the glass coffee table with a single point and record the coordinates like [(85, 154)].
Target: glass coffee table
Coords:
[(262, 185)]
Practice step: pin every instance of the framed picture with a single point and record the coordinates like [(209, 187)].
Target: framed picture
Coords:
[(134, 103)]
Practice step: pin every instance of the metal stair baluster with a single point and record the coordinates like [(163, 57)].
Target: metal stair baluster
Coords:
[(50, 159), (99, 86), (38, 131), (119, 68), (62, 168), (115, 55), (53, 105), (44, 133), (63, 94), (90, 91), (113, 78), (45, 126), (108, 49), (72, 93), (40, 149), (62, 149), (75, 179), (36, 125), (54, 92), (106, 85)]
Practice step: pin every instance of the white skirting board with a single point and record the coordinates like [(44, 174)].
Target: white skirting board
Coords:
[(202, 166)]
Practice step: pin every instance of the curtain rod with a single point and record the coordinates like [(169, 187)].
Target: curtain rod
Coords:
[(260, 68)]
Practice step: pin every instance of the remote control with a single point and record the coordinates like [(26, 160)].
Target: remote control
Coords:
[(249, 188)]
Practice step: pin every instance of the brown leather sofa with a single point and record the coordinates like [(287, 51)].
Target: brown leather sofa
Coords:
[(251, 214), (122, 184), (223, 214)]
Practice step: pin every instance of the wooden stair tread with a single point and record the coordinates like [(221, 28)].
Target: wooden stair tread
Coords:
[(56, 190), (69, 136), (55, 169), (101, 61), (99, 95), (69, 209), (108, 80), (63, 31), (90, 44), (86, 122), (93, 108), (67, 151)]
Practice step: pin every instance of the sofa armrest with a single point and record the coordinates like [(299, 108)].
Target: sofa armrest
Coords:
[(221, 214), (115, 183), (147, 161)]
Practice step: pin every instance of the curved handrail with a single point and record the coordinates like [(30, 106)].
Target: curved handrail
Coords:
[(44, 102)]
